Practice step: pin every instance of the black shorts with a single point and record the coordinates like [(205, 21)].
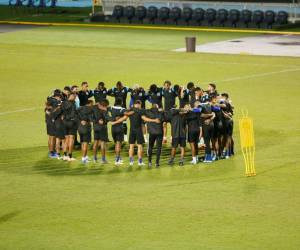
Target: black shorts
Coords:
[(70, 127), (101, 136), (193, 136), (60, 131), (117, 133), (136, 136), (181, 141), (218, 129), (228, 127), (167, 116), (50, 128), (85, 132)]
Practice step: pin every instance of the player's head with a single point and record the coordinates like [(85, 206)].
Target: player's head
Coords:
[(225, 96), (190, 86), (119, 85), (90, 103), (153, 88), (67, 90), (74, 89), (167, 84), (137, 104), (103, 104), (198, 91), (211, 87), (57, 94), (176, 88), (101, 85), (118, 102), (84, 86), (213, 99)]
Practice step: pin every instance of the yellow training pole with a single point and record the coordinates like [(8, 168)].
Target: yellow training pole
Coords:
[(247, 143)]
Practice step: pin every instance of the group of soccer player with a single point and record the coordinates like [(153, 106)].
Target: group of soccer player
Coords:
[(201, 117)]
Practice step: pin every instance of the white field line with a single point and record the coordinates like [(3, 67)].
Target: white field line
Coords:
[(225, 80), (18, 111)]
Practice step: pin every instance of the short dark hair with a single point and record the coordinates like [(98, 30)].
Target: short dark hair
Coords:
[(119, 84), (57, 92), (67, 88), (104, 103), (101, 84), (168, 82), (137, 102), (153, 87), (213, 85), (73, 87), (190, 85), (198, 89), (225, 95), (84, 83)]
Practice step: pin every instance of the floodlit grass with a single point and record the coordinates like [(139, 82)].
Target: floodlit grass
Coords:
[(48, 204)]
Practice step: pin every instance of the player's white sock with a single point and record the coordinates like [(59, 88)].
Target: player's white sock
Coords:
[(125, 138)]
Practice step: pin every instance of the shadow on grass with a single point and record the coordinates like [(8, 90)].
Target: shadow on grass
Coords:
[(6, 217)]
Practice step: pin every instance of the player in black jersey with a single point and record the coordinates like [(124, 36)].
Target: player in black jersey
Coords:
[(85, 115), (70, 123), (169, 95), (100, 120), (100, 92), (84, 94), (155, 95), (120, 92)]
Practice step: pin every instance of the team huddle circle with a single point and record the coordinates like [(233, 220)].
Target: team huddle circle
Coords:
[(201, 117)]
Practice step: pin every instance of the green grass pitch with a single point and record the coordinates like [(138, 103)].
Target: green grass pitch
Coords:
[(47, 204)]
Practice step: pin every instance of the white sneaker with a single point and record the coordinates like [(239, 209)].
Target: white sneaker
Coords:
[(141, 164), (131, 163), (59, 157), (193, 162), (116, 163), (65, 158), (71, 159), (120, 162)]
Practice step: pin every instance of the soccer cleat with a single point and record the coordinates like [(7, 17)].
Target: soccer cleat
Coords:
[(131, 163), (181, 163), (65, 158), (214, 156), (207, 159), (140, 164), (71, 159), (171, 162), (120, 162), (157, 165), (104, 162), (116, 162), (149, 165), (193, 162)]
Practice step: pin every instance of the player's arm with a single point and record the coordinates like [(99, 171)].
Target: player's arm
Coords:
[(146, 119), (120, 120)]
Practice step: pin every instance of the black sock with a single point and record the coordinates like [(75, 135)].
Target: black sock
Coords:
[(70, 155), (65, 153)]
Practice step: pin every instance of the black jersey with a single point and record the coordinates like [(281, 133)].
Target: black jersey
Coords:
[(156, 97), (178, 123), (84, 96), (136, 120), (120, 94), (100, 94), (69, 110), (153, 127), (170, 98), (85, 113), (138, 95), (116, 113), (193, 121), (185, 99)]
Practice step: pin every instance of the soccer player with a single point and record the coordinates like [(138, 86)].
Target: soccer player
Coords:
[(66, 92), (100, 92), (85, 117), (120, 93), (178, 128), (136, 116), (184, 97), (155, 95), (207, 117), (212, 90), (155, 130), (84, 94), (100, 119), (169, 95), (50, 127), (193, 122), (117, 131), (57, 118), (228, 124), (70, 123)]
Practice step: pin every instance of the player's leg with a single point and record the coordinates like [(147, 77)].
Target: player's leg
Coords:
[(175, 142), (182, 143), (95, 149), (159, 140), (103, 151), (165, 131), (150, 148), (71, 147)]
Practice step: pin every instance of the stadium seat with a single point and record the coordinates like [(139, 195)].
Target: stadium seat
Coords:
[(234, 17), (269, 18), (186, 17), (175, 15), (140, 14), (222, 16), (258, 17), (117, 13), (282, 17), (151, 14), (210, 16), (198, 16), (163, 15), (128, 13), (246, 17)]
